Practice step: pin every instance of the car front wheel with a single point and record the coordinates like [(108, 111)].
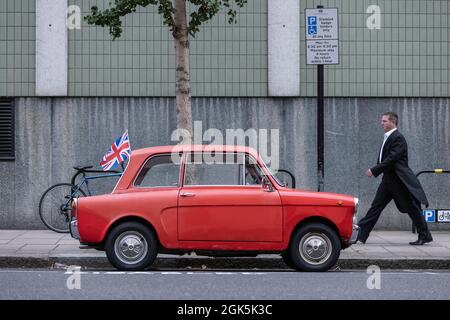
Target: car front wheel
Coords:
[(131, 246), (314, 247)]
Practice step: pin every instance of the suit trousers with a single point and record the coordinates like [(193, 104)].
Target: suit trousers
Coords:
[(392, 188)]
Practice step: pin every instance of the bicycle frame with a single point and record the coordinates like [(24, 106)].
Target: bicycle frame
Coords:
[(85, 180), (64, 209)]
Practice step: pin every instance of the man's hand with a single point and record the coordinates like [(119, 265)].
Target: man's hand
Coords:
[(369, 173)]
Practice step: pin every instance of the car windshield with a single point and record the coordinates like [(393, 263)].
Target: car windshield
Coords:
[(274, 176)]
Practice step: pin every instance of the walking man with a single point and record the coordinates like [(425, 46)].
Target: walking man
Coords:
[(398, 183)]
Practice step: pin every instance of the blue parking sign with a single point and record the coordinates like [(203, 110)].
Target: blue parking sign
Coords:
[(430, 215), (312, 20)]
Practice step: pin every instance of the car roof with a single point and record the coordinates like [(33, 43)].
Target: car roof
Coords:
[(191, 148), (139, 156)]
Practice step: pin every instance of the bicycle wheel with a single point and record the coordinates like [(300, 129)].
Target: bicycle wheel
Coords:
[(55, 206)]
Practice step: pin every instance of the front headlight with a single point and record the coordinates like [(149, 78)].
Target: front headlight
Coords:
[(356, 200)]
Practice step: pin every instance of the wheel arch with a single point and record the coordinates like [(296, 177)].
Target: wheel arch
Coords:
[(313, 219), (131, 218)]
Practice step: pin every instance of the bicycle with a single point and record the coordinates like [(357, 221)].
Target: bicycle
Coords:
[(55, 205)]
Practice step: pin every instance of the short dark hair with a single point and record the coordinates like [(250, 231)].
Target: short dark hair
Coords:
[(392, 116)]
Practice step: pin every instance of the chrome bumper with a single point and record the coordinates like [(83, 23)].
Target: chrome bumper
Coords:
[(355, 228), (74, 229), (355, 233)]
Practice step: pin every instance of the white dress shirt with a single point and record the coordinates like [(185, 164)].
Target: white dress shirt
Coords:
[(386, 136)]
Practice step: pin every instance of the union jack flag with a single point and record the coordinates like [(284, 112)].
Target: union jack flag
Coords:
[(118, 153)]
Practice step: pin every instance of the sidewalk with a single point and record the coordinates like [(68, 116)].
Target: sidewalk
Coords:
[(387, 249)]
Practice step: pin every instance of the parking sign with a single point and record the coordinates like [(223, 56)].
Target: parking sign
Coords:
[(443, 215), (430, 215), (322, 36)]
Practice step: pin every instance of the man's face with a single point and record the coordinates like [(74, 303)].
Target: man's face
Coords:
[(387, 124)]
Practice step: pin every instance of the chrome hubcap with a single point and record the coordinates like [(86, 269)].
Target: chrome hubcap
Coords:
[(315, 248), (131, 247)]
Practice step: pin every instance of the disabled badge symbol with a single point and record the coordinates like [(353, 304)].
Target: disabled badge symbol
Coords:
[(312, 30)]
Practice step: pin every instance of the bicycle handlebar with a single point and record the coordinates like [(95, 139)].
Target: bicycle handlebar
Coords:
[(83, 168)]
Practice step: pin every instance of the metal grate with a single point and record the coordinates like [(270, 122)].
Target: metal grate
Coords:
[(7, 150)]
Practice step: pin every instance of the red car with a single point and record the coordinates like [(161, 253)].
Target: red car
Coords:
[(212, 200)]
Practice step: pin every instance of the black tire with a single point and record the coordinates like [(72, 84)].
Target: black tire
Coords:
[(52, 205), (287, 260), (315, 247), (131, 235)]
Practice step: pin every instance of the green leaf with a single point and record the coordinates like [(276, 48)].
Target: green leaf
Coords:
[(206, 10)]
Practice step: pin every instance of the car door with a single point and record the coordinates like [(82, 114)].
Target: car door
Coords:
[(155, 194), (223, 200)]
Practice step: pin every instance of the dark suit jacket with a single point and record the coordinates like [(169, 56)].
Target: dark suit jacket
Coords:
[(394, 161)]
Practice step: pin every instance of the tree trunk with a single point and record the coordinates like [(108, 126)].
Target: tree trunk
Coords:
[(183, 85)]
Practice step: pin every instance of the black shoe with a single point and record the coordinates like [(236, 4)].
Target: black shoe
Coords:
[(360, 240), (422, 241)]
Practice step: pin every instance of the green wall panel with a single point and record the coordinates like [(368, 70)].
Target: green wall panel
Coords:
[(226, 60), (17, 47), (408, 56)]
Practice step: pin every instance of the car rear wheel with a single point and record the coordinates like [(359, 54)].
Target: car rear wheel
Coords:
[(314, 247), (287, 260), (131, 246)]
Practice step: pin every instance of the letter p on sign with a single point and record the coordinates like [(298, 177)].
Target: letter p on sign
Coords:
[(430, 215)]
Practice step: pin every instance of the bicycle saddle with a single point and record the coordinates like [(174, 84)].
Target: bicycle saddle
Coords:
[(83, 168)]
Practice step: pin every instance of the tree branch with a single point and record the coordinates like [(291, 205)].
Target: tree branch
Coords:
[(207, 9), (111, 17)]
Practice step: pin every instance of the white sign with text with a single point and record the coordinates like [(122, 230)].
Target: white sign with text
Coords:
[(322, 36)]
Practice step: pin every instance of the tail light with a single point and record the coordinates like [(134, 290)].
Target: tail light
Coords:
[(74, 207)]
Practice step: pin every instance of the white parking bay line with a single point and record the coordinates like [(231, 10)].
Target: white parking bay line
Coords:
[(171, 272), (142, 273), (115, 272)]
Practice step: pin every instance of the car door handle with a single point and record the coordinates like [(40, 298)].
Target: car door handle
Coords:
[(188, 194)]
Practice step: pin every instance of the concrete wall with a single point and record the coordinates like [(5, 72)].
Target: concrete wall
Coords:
[(54, 134), (283, 45), (51, 48)]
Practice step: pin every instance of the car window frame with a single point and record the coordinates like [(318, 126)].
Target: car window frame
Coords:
[(186, 154), (178, 186)]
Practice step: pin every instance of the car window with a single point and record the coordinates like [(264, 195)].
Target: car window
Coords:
[(213, 169), (221, 169), (160, 171), (253, 173)]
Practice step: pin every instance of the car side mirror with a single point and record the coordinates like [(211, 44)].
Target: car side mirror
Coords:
[(266, 185)]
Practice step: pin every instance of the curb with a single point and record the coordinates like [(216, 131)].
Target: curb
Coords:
[(61, 262)]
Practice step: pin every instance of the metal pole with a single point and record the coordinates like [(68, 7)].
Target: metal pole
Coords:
[(320, 125)]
